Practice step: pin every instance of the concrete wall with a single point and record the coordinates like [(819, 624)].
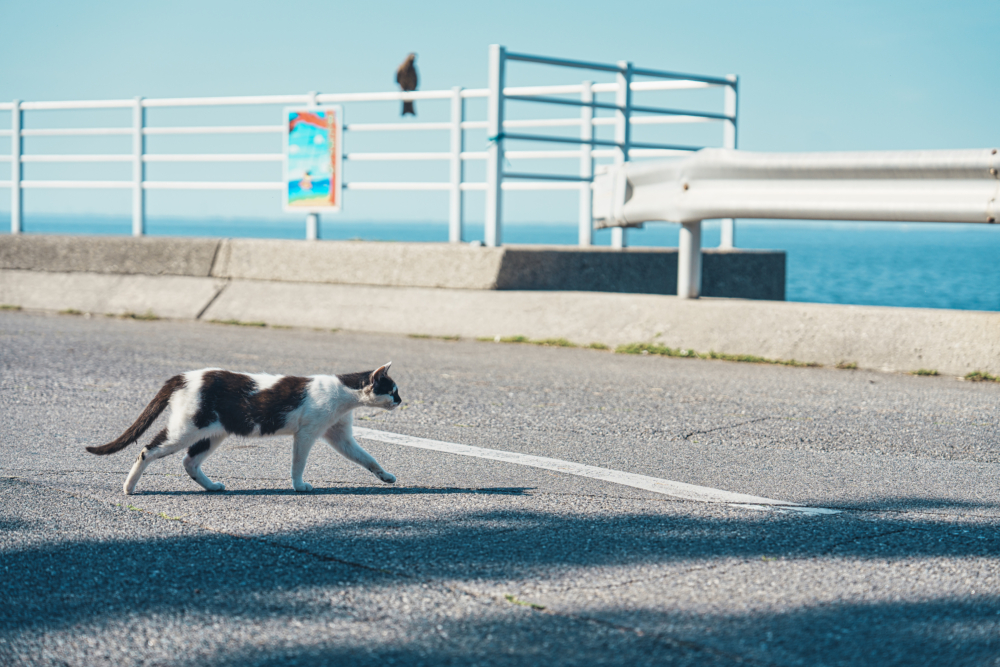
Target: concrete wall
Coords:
[(738, 274)]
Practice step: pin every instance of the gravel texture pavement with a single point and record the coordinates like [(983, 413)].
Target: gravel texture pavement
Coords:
[(468, 561)]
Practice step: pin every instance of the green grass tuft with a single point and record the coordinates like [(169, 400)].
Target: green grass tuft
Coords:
[(598, 346), (7, 306), (848, 365), (71, 311), (238, 323), (554, 342), (925, 371), (664, 351), (419, 335), (513, 600), (980, 376), (148, 316)]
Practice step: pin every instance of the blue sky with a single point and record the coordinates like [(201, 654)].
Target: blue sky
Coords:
[(814, 76)]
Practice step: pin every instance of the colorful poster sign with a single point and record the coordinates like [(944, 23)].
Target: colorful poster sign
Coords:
[(313, 173)]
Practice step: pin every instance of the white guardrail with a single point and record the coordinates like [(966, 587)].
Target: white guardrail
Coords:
[(911, 186), (586, 148)]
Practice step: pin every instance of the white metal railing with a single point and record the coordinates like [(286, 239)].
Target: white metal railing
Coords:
[(585, 149), (910, 186)]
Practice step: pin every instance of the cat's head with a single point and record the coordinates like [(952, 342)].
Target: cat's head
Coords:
[(380, 390), (384, 392), (375, 388)]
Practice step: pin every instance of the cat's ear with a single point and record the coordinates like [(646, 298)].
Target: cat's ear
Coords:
[(380, 372)]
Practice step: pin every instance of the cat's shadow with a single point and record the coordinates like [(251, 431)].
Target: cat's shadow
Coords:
[(354, 491)]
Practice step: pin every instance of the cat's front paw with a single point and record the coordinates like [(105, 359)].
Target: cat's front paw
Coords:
[(386, 477), (302, 487), (216, 486)]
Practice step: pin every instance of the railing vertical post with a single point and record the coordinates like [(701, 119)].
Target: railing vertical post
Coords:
[(494, 159), (457, 166), (689, 261), (138, 168), (586, 166), (728, 238), (312, 219), (16, 226), (623, 132)]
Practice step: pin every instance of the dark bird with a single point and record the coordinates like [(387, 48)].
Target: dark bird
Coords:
[(406, 77)]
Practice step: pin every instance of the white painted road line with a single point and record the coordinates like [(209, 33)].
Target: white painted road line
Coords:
[(681, 490)]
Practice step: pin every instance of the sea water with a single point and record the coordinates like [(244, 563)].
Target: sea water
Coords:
[(917, 265)]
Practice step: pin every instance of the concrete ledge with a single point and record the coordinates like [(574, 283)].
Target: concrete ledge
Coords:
[(892, 339), (178, 297), (108, 254), (745, 274)]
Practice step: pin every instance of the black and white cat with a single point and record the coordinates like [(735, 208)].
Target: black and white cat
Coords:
[(208, 405)]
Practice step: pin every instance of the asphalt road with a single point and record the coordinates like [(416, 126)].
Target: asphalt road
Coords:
[(470, 561)]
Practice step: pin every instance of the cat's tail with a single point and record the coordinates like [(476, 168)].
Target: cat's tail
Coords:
[(145, 420)]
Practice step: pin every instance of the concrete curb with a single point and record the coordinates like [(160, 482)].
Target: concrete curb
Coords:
[(891, 339)]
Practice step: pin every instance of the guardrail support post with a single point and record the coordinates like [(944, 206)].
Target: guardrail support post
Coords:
[(623, 132), (455, 196), (728, 238), (16, 226), (689, 261), (312, 219), (494, 152), (586, 166), (138, 168)]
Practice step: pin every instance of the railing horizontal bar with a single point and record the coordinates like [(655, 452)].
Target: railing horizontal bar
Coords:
[(76, 158), (77, 104), (85, 185), (672, 147), (563, 62), (475, 92), (526, 185), (76, 131), (540, 185), (212, 129), (544, 122), (473, 124), (6, 184), (559, 100), (224, 101), (664, 74), (544, 177), (392, 96), (384, 157), (397, 186), (6, 106), (394, 127), (649, 152), (6, 133), (214, 157), (5, 158), (212, 185), (662, 120), (679, 84), (536, 155), (570, 89), (678, 112), (563, 140)]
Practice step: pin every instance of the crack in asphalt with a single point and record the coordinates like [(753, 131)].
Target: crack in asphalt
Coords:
[(728, 426)]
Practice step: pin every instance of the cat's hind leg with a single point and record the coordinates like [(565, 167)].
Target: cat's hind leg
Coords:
[(341, 437), (163, 444), (196, 455)]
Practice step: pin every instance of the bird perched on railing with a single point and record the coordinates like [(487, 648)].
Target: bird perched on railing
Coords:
[(406, 77)]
